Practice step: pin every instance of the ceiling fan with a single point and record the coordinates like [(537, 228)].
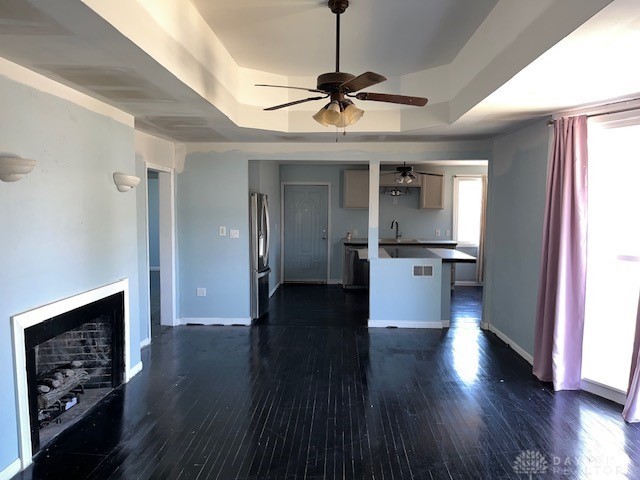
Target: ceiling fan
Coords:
[(340, 87), (405, 174)]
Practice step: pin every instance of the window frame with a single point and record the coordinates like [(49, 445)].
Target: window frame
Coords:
[(454, 226)]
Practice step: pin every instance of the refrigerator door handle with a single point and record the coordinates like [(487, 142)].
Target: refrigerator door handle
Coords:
[(265, 209), (264, 273)]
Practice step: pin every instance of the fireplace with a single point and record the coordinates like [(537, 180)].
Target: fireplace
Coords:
[(68, 356), (73, 361)]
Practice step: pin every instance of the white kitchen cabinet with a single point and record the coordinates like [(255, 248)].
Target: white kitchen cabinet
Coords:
[(355, 189), (432, 190)]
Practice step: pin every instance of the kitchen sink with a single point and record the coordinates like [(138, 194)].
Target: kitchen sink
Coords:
[(398, 240)]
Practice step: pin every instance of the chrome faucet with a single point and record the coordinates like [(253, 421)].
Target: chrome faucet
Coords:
[(398, 235)]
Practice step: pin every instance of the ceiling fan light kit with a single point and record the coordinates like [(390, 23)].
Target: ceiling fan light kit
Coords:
[(341, 111), (404, 174), (339, 114)]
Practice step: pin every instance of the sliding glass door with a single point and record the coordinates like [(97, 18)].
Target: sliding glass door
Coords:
[(613, 259)]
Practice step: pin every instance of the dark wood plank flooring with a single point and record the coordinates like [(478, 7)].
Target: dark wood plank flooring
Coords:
[(311, 393)]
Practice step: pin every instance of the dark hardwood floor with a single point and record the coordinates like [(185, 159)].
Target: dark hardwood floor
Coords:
[(310, 392)]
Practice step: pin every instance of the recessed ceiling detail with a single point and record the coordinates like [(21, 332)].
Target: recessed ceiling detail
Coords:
[(395, 37), (115, 84), (183, 129), (18, 17), (159, 60)]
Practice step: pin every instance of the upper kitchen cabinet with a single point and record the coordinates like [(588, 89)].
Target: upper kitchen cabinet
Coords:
[(356, 189), (388, 179), (432, 190)]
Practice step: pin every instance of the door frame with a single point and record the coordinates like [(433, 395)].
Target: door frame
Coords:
[(282, 221), (167, 234)]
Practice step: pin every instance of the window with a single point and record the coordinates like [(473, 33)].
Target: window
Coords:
[(467, 210)]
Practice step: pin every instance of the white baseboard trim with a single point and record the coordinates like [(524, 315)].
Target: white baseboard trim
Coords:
[(602, 391), (13, 469), (513, 345), (405, 324), (145, 342), (446, 323), (467, 283), (133, 371), (334, 282), (274, 289), (154, 269), (216, 321), (484, 326)]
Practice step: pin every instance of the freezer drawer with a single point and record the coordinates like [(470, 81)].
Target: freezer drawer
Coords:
[(260, 293)]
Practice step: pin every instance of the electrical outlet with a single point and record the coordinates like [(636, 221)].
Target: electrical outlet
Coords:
[(438, 232), (354, 232), (222, 231), (201, 292), (448, 233), (234, 233)]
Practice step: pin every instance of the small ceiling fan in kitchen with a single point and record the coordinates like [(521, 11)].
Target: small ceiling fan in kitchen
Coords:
[(404, 176), (341, 87)]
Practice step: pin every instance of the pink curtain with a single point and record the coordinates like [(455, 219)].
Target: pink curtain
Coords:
[(561, 288), (631, 412)]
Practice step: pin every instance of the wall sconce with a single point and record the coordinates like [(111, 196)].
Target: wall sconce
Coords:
[(125, 182), (14, 168)]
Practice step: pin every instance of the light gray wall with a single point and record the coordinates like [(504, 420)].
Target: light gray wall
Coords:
[(517, 177), (342, 219), (65, 227), (213, 191)]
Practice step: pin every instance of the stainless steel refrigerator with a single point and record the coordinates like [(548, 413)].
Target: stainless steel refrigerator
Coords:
[(259, 244)]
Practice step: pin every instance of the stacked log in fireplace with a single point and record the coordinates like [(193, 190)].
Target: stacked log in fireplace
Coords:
[(59, 390)]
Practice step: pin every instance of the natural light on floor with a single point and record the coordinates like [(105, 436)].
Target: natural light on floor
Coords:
[(613, 269)]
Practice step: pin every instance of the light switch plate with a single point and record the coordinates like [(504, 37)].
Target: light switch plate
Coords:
[(438, 233), (222, 231), (354, 232), (448, 233), (234, 233), (201, 292)]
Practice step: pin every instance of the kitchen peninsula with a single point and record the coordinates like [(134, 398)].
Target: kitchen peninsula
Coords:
[(410, 281)]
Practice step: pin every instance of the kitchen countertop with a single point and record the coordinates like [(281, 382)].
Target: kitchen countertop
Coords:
[(420, 241), (447, 255)]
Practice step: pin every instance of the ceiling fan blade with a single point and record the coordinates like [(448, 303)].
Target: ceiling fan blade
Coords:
[(277, 107), (365, 80), (295, 88), (401, 99)]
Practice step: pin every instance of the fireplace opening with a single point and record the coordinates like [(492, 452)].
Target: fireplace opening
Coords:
[(73, 361)]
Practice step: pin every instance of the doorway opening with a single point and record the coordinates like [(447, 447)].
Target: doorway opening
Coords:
[(161, 251), (154, 250)]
